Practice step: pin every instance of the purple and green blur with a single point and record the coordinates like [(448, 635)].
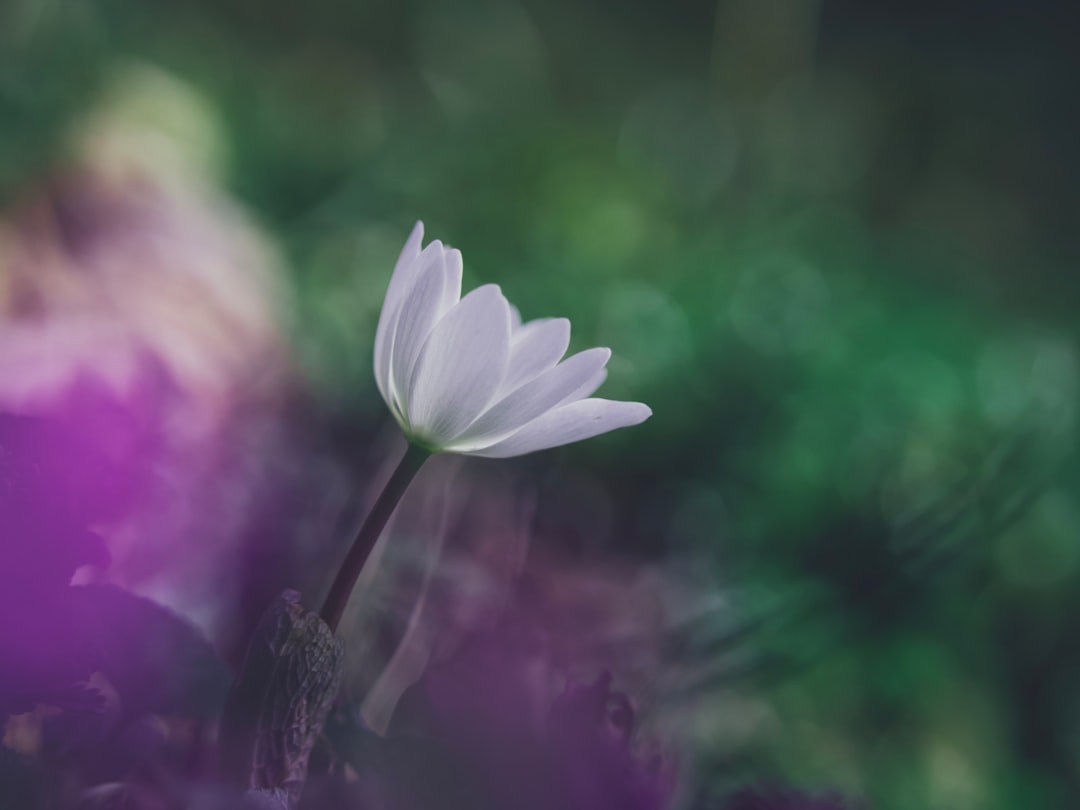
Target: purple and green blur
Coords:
[(830, 244)]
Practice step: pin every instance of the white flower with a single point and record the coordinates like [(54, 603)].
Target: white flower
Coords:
[(465, 375)]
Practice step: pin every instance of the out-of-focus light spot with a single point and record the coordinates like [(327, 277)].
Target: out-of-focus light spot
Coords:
[(781, 304), (589, 217), (814, 133), (477, 54), (912, 669), (610, 230), (679, 137), (912, 409), (1043, 550), (928, 383), (729, 722), (837, 683), (924, 472), (1032, 381), (648, 332), (907, 390), (803, 463), (954, 781), (151, 124), (814, 749)]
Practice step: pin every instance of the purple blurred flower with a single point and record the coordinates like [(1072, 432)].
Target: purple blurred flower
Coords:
[(491, 728), (591, 731), (54, 483), (143, 319)]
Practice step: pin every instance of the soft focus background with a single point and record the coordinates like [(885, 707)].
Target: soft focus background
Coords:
[(831, 243)]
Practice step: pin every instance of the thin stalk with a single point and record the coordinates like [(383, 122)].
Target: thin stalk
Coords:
[(369, 532)]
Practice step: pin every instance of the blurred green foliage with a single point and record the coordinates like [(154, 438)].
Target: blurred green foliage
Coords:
[(829, 245)]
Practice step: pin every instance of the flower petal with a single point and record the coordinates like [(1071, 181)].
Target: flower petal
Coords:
[(452, 291), (587, 388), (460, 366), (399, 278), (536, 346), (569, 423), (436, 290), (402, 279), (529, 401)]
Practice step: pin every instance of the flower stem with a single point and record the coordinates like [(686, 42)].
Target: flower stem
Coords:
[(370, 529)]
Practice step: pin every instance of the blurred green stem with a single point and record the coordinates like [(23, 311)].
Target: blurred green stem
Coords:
[(370, 529)]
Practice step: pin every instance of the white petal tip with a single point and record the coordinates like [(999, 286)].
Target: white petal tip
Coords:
[(415, 240), (638, 414)]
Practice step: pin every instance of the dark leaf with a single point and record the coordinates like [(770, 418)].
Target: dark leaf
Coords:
[(20, 783), (157, 662), (47, 659)]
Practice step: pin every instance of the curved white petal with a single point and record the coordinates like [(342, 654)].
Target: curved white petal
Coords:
[(569, 423), (402, 279), (460, 366), (529, 401), (535, 347), (587, 388), (452, 292), (399, 278), (435, 291)]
